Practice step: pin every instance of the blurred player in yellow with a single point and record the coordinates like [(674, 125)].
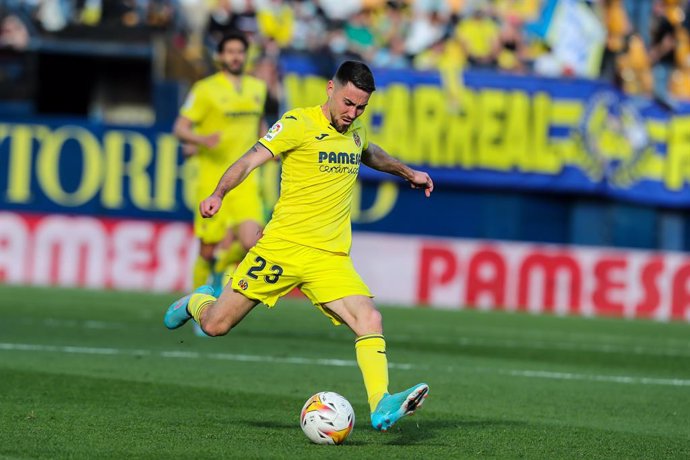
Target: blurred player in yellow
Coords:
[(307, 242), (219, 121)]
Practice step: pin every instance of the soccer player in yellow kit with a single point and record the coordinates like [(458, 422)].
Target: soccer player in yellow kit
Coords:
[(220, 120), (307, 242)]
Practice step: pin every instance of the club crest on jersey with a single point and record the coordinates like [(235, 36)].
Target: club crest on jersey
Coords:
[(358, 141), (273, 132), (243, 284)]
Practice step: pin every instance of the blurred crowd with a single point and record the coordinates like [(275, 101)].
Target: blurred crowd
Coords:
[(640, 44), (52, 16)]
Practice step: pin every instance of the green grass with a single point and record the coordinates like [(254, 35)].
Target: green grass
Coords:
[(86, 374)]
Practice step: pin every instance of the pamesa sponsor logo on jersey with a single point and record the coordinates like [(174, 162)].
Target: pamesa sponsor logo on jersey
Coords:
[(341, 158), (340, 162)]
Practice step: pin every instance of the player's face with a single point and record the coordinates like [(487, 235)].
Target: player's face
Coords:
[(345, 104), (233, 57)]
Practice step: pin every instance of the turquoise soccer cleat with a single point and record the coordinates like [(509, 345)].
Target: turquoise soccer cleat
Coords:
[(394, 407), (177, 313)]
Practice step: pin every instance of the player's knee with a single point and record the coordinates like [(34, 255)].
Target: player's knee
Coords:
[(250, 235), (373, 320), (249, 241), (216, 328)]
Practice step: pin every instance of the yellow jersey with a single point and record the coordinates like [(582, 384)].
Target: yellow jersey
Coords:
[(215, 105), (478, 34), (320, 167)]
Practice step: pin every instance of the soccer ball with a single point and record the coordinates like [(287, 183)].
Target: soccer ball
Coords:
[(327, 418)]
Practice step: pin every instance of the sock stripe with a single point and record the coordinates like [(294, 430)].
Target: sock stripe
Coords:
[(367, 337), (196, 310), (205, 304)]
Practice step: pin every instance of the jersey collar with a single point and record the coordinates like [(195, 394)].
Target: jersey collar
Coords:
[(230, 84)]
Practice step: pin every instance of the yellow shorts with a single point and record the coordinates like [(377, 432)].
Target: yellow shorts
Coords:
[(239, 205), (274, 267)]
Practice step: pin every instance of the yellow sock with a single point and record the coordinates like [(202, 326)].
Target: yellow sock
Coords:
[(198, 303), (372, 361), (201, 272)]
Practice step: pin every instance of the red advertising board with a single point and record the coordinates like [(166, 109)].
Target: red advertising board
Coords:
[(401, 270), (93, 252), (453, 273)]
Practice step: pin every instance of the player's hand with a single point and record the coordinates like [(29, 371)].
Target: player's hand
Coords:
[(420, 179), (210, 206), (211, 140), (189, 150)]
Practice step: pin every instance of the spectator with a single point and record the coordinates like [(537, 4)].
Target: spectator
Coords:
[(640, 14), (425, 34), (220, 22), (662, 51), (634, 69), (479, 36), (53, 15), (91, 12), (391, 55), (425, 30), (341, 10), (511, 51), (388, 22), (440, 7), (196, 17), (13, 33), (526, 10), (359, 37), (309, 28), (617, 25), (339, 46), (679, 83), (617, 31), (276, 22)]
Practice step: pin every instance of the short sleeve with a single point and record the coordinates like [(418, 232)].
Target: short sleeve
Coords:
[(286, 134), (195, 106)]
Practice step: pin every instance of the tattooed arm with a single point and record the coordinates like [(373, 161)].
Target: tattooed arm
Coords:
[(233, 176), (375, 157)]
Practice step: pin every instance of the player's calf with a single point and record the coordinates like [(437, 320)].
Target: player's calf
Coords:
[(218, 316)]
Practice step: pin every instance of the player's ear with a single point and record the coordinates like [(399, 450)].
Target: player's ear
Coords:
[(329, 88)]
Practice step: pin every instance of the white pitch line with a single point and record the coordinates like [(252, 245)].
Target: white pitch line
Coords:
[(188, 355), (176, 354), (598, 378), (555, 345), (527, 342)]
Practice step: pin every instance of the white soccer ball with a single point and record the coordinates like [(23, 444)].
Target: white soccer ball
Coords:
[(327, 418)]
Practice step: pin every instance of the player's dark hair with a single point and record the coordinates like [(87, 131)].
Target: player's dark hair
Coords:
[(230, 36), (357, 73)]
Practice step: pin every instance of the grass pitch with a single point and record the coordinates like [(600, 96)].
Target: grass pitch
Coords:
[(86, 374)]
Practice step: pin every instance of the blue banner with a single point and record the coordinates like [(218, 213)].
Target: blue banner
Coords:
[(74, 167), (495, 130), (87, 168)]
